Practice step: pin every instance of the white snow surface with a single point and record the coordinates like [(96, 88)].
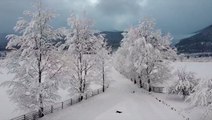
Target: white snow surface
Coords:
[(7, 107), (183, 108), (202, 70), (118, 97)]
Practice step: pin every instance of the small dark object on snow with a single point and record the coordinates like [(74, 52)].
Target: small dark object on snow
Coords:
[(133, 92), (118, 111), (159, 100), (134, 81)]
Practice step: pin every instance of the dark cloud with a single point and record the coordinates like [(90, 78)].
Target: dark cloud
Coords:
[(10, 11), (118, 7), (179, 17)]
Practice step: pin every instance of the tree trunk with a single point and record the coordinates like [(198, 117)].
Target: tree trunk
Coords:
[(40, 83), (184, 93), (41, 109), (80, 73), (150, 89), (84, 79), (148, 78), (40, 112), (103, 77), (141, 84)]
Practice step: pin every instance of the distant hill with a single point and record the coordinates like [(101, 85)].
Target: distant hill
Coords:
[(113, 37), (3, 41), (198, 43)]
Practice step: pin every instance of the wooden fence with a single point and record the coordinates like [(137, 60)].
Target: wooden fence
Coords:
[(34, 115), (153, 88), (158, 89)]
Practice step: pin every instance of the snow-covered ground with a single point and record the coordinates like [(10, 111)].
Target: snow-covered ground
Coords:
[(8, 109), (183, 108), (119, 97)]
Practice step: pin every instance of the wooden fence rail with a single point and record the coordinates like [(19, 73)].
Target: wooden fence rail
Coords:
[(153, 88), (34, 115)]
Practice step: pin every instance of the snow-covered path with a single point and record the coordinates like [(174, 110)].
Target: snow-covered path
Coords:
[(119, 96)]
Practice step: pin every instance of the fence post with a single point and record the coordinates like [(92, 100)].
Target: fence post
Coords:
[(62, 105), (24, 117), (52, 108), (98, 91), (86, 96)]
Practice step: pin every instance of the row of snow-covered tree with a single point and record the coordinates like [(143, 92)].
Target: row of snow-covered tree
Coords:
[(43, 59), (145, 54), (144, 57)]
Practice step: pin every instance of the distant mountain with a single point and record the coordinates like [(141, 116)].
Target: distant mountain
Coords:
[(3, 41), (113, 38), (198, 43)]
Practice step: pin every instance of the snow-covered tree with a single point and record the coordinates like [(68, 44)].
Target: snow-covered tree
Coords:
[(146, 52), (185, 83), (34, 60), (82, 44), (103, 61), (202, 95), (121, 62)]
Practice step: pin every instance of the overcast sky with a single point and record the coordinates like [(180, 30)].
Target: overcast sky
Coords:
[(179, 17)]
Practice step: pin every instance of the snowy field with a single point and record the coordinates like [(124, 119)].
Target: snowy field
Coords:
[(202, 70), (119, 97)]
